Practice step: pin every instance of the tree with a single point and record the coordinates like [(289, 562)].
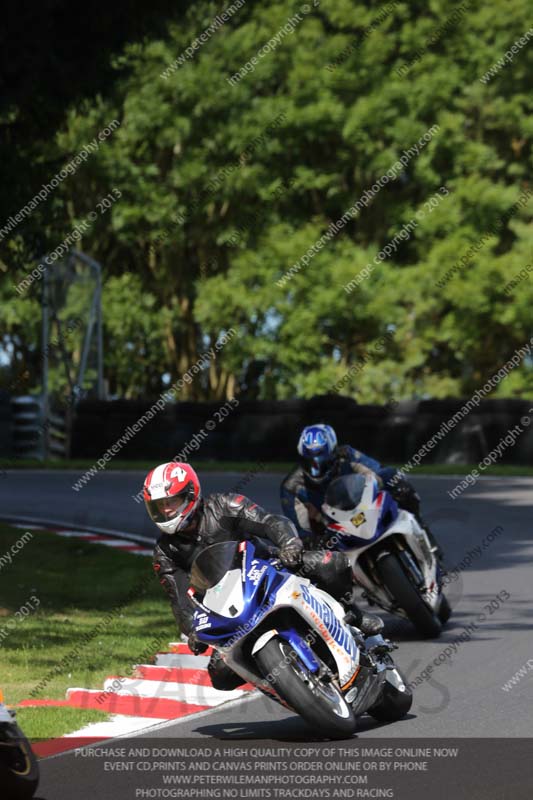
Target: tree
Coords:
[(231, 170)]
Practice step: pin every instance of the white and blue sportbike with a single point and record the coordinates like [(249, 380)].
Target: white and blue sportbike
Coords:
[(390, 553), (288, 638)]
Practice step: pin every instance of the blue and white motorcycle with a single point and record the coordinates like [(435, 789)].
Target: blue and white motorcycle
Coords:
[(288, 638), (390, 553)]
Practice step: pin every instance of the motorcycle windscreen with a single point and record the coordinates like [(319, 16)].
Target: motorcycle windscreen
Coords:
[(346, 492), (213, 563), (217, 574), (226, 598)]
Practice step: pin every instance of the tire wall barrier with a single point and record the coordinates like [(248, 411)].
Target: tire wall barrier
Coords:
[(6, 424), (268, 430)]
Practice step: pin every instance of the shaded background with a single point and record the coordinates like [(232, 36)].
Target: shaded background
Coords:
[(224, 187)]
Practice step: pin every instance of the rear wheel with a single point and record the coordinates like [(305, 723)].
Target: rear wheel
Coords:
[(320, 704), (396, 700), (407, 596)]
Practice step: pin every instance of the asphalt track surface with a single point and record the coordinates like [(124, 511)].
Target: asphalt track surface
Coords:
[(487, 530)]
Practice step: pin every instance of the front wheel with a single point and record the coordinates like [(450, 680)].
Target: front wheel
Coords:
[(407, 596), (445, 610), (19, 770), (320, 704)]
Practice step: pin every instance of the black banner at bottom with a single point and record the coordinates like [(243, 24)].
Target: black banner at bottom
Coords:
[(404, 769)]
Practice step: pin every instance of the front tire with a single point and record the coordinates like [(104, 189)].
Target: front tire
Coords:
[(19, 772), (445, 610), (394, 578), (320, 705)]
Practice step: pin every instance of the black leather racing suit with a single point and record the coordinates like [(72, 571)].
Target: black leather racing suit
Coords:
[(232, 517)]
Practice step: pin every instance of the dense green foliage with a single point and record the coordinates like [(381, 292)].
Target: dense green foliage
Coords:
[(226, 185)]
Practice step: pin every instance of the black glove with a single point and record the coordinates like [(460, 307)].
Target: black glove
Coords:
[(195, 645), (406, 496), (291, 554)]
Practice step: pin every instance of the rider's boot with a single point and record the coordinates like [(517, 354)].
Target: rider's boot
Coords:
[(369, 624)]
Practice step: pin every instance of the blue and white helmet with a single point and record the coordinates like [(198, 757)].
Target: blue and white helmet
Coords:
[(317, 447)]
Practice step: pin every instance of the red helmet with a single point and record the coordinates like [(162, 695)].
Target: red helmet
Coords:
[(172, 494)]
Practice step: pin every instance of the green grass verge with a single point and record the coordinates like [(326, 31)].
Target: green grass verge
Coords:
[(100, 612), (49, 723), (243, 467)]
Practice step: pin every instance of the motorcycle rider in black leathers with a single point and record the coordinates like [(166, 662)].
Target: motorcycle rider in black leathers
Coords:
[(189, 524)]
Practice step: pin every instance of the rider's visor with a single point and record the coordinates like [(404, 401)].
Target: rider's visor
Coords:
[(168, 508)]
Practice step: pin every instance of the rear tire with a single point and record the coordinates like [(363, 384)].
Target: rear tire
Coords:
[(394, 578), (315, 702), (395, 703)]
